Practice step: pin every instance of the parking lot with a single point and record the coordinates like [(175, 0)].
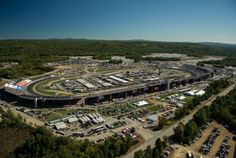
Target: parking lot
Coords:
[(181, 152), (223, 140)]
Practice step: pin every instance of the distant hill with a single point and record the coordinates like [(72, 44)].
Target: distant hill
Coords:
[(31, 55), (104, 49), (218, 44)]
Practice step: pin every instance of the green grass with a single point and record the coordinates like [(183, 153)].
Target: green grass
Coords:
[(43, 88), (40, 88), (52, 116), (117, 109), (66, 111), (154, 108), (188, 99)]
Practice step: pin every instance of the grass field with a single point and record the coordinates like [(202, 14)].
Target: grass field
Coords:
[(154, 108), (43, 88), (52, 116), (116, 110), (66, 111), (188, 99)]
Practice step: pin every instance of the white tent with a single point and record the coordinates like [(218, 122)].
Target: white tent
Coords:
[(141, 103), (73, 119), (201, 92)]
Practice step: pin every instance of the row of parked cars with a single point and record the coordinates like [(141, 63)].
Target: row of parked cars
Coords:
[(224, 148), (208, 143)]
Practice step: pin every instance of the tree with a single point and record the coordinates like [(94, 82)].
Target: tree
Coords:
[(200, 117), (162, 122), (155, 153), (179, 133), (132, 130), (190, 131), (159, 145), (139, 154), (148, 152)]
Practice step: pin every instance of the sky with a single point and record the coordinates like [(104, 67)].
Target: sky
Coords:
[(157, 20)]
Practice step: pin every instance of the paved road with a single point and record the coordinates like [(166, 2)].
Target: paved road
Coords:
[(29, 120), (170, 130)]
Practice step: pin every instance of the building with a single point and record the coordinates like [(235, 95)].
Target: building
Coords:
[(60, 125), (153, 118)]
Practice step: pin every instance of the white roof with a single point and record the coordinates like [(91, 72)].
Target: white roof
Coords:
[(201, 92), (141, 103), (179, 105), (73, 119), (191, 92), (118, 79), (60, 125), (85, 83), (182, 97), (153, 118)]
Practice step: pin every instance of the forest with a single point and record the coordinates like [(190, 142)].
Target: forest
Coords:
[(28, 65), (105, 48)]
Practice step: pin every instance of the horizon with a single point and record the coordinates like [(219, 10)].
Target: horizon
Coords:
[(122, 40), (161, 21)]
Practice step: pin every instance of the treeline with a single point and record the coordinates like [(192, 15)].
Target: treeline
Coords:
[(213, 88), (223, 110), (161, 58), (229, 61), (28, 65), (43, 144), (106, 49), (114, 61), (152, 152), (184, 134)]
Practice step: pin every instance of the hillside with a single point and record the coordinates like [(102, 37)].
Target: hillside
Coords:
[(104, 49)]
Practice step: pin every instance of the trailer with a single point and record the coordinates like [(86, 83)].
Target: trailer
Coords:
[(90, 116), (94, 115), (95, 121)]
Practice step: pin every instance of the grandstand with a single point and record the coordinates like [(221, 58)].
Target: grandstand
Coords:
[(127, 85)]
